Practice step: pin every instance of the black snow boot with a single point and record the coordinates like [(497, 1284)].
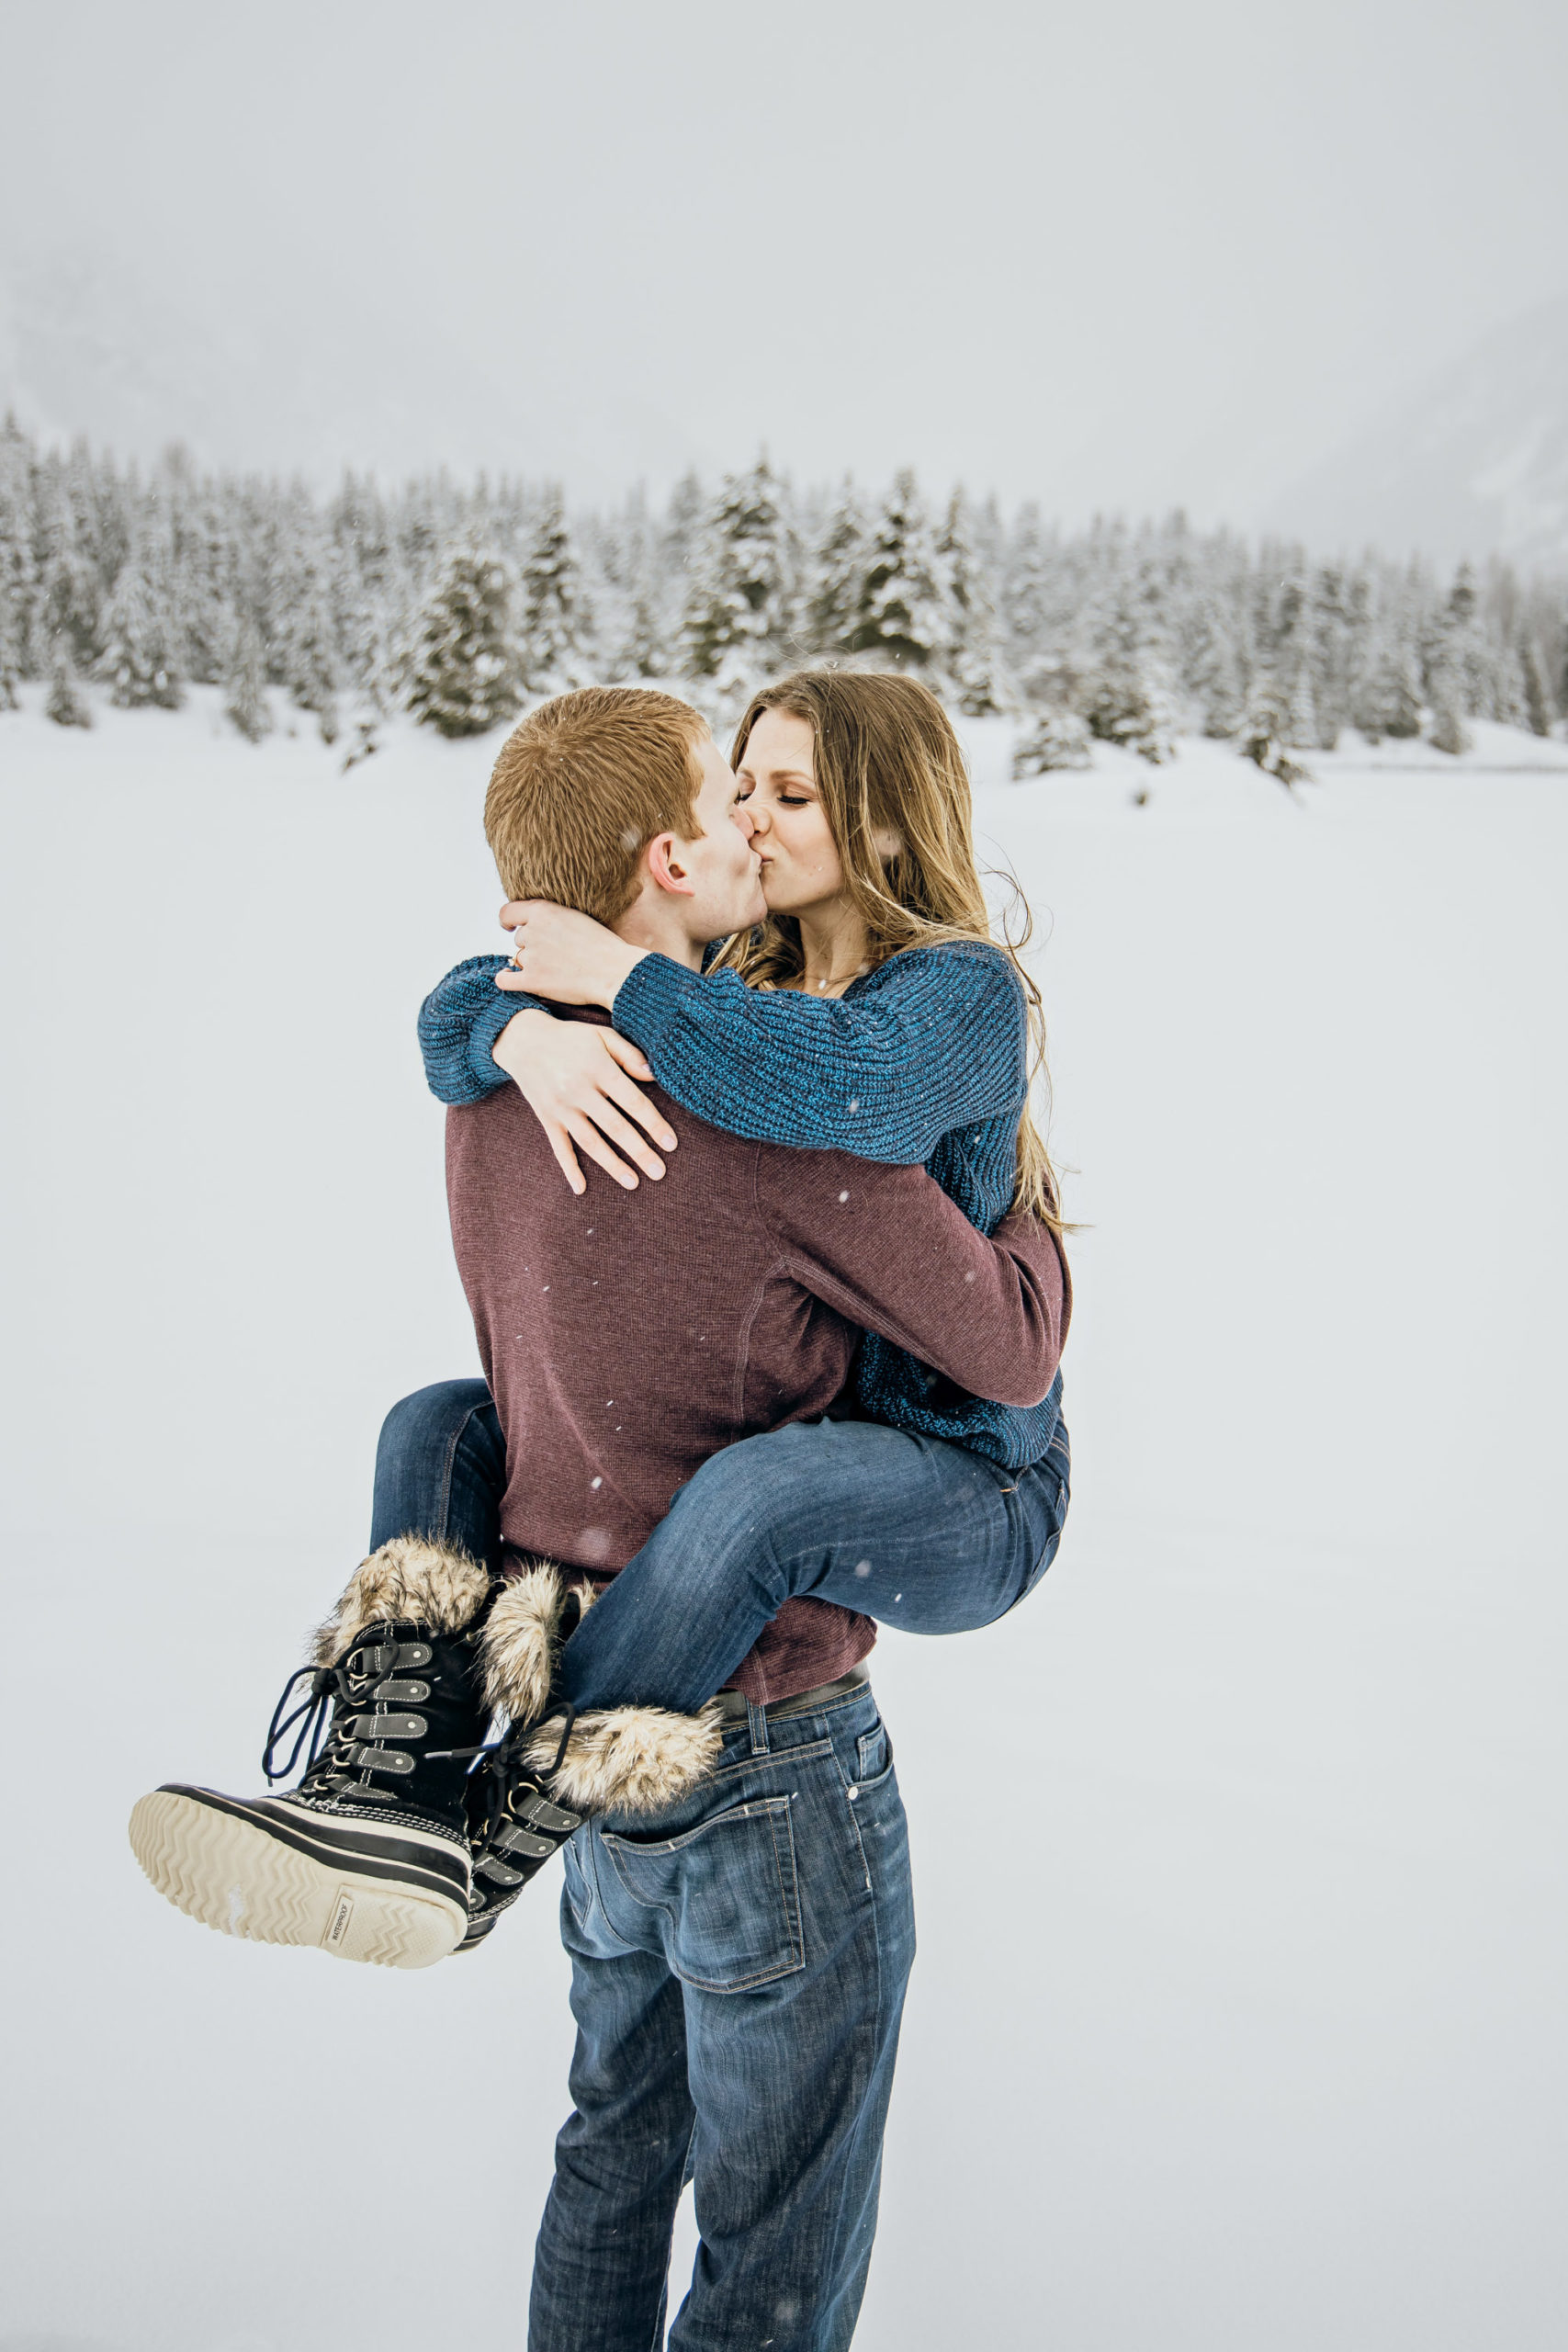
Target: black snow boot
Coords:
[(368, 1857), (554, 1768)]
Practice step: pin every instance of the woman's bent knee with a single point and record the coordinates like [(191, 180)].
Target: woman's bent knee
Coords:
[(436, 1411)]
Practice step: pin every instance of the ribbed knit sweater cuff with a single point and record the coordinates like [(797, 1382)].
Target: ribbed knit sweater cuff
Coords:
[(488, 1023), (651, 998), (460, 1022)]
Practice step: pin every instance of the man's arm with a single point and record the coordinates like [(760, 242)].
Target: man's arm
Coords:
[(888, 1249)]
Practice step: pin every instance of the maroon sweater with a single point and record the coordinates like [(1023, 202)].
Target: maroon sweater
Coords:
[(626, 1336)]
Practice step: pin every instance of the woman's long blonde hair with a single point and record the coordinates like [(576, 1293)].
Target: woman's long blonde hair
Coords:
[(889, 763)]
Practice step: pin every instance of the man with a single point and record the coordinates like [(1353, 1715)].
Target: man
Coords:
[(739, 1959), (737, 1910)]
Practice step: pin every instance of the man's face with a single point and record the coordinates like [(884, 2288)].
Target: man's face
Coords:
[(721, 865)]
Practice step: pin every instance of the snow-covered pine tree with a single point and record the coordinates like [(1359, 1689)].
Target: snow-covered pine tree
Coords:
[(1462, 644), (645, 647), (835, 573), (205, 572), (1302, 711), (1386, 697), (65, 703), (554, 622), (12, 618), (740, 613), (369, 590), (973, 662), (1538, 706), (1026, 603), (629, 597), (1445, 692), (1265, 732), (684, 519), (988, 533), (140, 662), (307, 658), (17, 567), (902, 612), (1217, 675), (1283, 638), (71, 604), (1125, 699), (1328, 654), (1054, 737), (246, 704), (464, 673)]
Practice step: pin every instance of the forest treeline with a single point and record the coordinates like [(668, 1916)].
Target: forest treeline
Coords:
[(460, 604)]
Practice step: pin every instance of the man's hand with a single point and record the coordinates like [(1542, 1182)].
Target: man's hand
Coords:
[(577, 1080), (564, 956)]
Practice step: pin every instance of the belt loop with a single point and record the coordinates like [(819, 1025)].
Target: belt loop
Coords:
[(756, 1723)]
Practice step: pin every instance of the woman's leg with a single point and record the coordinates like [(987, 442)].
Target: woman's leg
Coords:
[(441, 1470), (917, 1534)]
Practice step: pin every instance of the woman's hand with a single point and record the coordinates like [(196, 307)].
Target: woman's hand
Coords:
[(562, 955), (577, 1080)]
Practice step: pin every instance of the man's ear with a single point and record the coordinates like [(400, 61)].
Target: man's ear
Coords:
[(665, 865)]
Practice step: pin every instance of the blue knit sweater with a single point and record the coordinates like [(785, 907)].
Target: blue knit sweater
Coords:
[(923, 1061)]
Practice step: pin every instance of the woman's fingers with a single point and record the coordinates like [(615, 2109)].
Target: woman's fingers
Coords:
[(588, 1139), (560, 1144), (510, 979)]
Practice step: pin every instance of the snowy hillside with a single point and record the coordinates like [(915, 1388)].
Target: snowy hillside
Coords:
[(1237, 2021), (1473, 464)]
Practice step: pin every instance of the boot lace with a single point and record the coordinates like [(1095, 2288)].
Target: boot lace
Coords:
[(514, 1823), (339, 1745)]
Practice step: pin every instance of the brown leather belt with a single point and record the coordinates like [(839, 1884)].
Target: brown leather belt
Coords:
[(731, 1704)]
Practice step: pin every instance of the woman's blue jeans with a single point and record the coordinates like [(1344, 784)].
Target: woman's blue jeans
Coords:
[(917, 1533)]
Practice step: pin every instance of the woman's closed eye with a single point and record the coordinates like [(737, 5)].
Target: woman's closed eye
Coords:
[(788, 796)]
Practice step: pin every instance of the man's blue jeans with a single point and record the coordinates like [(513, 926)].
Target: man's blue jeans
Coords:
[(917, 1533), (739, 1967), (738, 1964)]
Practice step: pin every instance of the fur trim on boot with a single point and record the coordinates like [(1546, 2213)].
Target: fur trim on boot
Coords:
[(523, 1638), (628, 1759), (408, 1582)]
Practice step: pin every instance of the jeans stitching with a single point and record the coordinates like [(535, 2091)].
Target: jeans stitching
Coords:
[(872, 2038), (804, 1752), (597, 1897), (793, 1925), (769, 1807)]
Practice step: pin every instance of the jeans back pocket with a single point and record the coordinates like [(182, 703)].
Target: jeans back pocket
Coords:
[(727, 1891)]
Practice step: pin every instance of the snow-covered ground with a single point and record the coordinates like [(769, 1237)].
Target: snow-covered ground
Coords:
[(1236, 2025)]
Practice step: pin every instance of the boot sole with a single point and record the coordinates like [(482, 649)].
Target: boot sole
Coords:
[(224, 1868)]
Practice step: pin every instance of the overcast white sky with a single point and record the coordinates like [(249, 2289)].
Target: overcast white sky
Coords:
[(1121, 254)]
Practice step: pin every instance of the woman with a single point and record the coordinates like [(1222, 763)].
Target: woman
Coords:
[(871, 1013)]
